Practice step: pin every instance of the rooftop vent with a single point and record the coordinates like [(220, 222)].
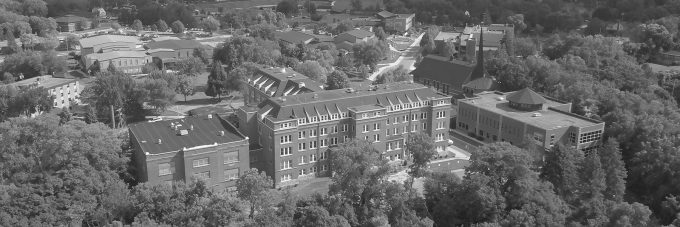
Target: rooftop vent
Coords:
[(183, 132), (209, 116), (302, 84), (500, 98), (281, 99), (191, 127), (283, 70), (349, 90), (221, 133), (160, 141), (290, 76), (536, 114)]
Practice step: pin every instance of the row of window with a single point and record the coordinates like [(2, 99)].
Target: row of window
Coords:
[(405, 106), (324, 143), (321, 118), (303, 172), (590, 136), (227, 157), (324, 131), (288, 164), (229, 175)]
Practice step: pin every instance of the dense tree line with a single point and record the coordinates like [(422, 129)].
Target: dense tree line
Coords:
[(604, 82)]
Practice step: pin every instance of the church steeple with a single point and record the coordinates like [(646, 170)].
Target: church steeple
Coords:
[(479, 70)]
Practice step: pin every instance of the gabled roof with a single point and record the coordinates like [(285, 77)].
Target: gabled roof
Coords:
[(334, 101), (174, 44), (526, 96), (295, 37), (385, 14), (359, 33), (100, 39), (453, 72), (205, 132), (69, 19), (484, 83)]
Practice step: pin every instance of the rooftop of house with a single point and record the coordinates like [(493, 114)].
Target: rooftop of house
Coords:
[(116, 54), (101, 39), (546, 118), (47, 81), (206, 131), (295, 37), (174, 44), (445, 36), (336, 101), (385, 14), (70, 18), (491, 39)]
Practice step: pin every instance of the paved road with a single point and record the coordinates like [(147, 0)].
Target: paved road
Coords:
[(406, 60)]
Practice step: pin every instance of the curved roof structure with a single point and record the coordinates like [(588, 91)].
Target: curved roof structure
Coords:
[(526, 96)]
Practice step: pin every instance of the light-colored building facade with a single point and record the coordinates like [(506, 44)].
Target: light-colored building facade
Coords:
[(293, 135), (203, 147), (523, 115), (125, 61), (66, 91)]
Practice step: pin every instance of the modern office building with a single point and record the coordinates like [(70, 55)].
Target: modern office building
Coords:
[(205, 147), (269, 82), (523, 115), (291, 136)]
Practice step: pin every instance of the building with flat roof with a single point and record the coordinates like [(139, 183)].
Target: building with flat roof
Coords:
[(125, 61), (108, 43), (292, 136), (396, 22), (523, 115), (268, 82), (205, 147), (181, 48), (347, 39), (64, 90)]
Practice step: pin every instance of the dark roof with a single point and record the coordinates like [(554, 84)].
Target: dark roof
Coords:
[(526, 96), (360, 33), (295, 37), (484, 83), (437, 68), (335, 101), (283, 81), (206, 132), (69, 19), (385, 14), (174, 44)]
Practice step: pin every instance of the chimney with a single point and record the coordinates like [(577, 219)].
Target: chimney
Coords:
[(209, 116), (160, 141), (221, 133)]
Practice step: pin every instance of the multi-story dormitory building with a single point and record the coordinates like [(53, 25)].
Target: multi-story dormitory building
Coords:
[(270, 82), (291, 136)]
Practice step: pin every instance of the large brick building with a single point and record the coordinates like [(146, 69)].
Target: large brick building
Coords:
[(517, 116), (290, 136), (108, 43), (269, 82), (206, 147)]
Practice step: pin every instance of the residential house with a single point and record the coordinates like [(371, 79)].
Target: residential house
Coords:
[(347, 39), (295, 37), (72, 23), (204, 147), (292, 136)]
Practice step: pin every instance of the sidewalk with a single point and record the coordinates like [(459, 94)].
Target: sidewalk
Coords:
[(401, 58)]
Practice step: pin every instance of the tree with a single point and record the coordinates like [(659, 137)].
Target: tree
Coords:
[(115, 26), (91, 115), (216, 81), (337, 80), (177, 27), (518, 21), (343, 26), (201, 53), (137, 25), (380, 33), (162, 26), (210, 24), (57, 172), (313, 70), (614, 169), (29, 101), (190, 66), (185, 87), (392, 76), (368, 53), (288, 7), (421, 148), (318, 216), (64, 116), (253, 186), (562, 170), (71, 40), (110, 91)]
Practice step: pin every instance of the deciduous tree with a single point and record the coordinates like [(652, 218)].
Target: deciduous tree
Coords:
[(253, 186)]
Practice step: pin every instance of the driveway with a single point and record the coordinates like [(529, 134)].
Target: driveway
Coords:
[(407, 59)]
